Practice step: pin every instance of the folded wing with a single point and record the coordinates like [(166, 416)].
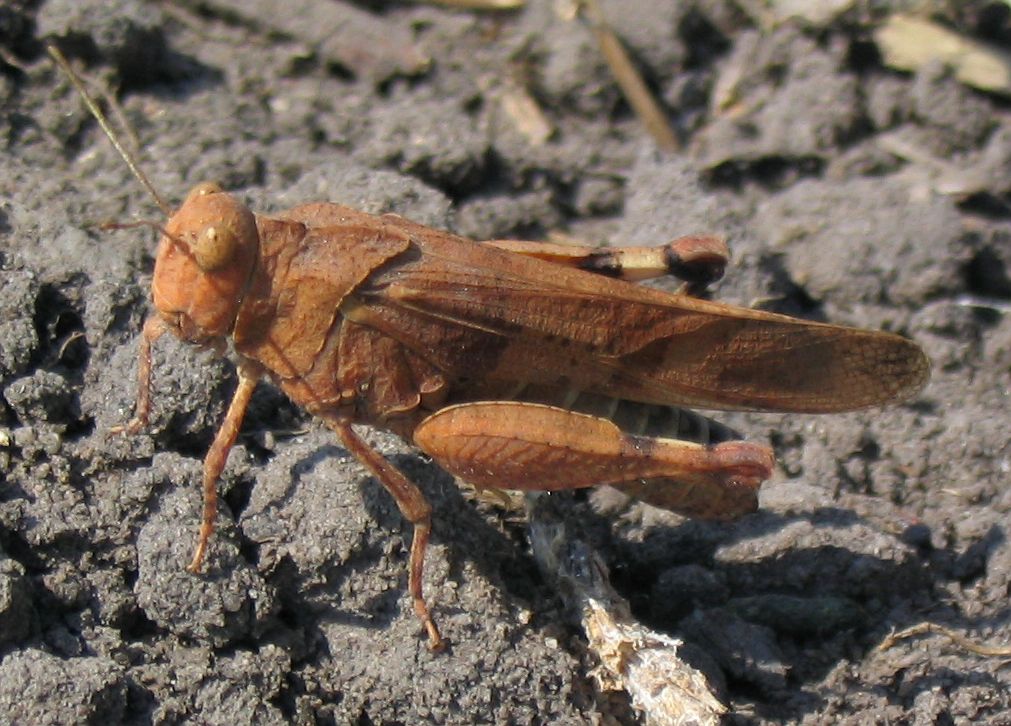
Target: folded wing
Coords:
[(480, 313)]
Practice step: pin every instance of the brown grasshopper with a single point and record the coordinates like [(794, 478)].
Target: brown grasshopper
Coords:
[(504, 361)]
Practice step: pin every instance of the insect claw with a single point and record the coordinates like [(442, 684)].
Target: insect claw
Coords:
[(436, 643), (131, 428), (134, 426), (196, 564)]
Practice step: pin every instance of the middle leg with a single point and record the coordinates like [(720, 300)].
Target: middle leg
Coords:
[(413, 506)]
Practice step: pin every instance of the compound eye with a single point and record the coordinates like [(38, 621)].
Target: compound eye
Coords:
[(203, 189), (214, 247)]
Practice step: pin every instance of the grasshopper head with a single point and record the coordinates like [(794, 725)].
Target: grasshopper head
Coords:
[(204, 262)]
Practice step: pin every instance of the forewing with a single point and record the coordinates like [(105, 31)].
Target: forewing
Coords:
[(479, 312)]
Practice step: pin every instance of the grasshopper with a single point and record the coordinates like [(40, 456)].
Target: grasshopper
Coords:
[(514, 365)]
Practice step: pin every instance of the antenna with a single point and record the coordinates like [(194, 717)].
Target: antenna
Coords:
[(75, 79)]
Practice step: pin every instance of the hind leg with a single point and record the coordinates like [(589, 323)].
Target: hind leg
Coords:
[(528, 446), (697, 260)]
